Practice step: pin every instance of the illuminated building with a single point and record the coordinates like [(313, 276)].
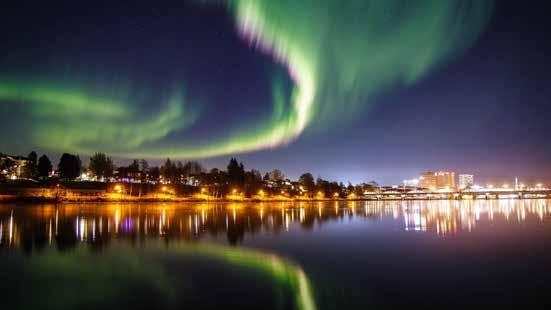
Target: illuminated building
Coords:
[(427, 180), (411, 183), (13, 166), (466, 181), (437, 180), (445, 180)]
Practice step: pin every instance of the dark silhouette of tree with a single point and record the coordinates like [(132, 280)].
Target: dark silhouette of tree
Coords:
[(154, 174), (276, 175), (306, 180), (134, 167), (277, 180), (29, 170), (169, 171), (33, 158), (44, 167), (215, 181), (69, 166), (144, 165), (101, 165), (180, 173), (144, 170), (193, 168), (253, 182), (236, 174)]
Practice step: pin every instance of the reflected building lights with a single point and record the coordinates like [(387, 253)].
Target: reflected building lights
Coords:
[(49, 232), (11, 228), (87, 223)]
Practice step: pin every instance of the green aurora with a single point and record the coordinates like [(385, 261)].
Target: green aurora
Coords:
[(338, 54)]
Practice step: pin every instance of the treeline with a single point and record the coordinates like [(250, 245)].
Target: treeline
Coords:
[(234, 180)]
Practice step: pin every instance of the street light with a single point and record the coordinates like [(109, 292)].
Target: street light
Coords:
[(119, 189)]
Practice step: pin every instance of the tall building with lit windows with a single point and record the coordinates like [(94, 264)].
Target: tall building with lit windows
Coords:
[(445, 180), (427, 180), (437, 180), (466, 181)]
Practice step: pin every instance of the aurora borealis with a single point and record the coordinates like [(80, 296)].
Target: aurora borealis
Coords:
[(210, 79), (336, 54)]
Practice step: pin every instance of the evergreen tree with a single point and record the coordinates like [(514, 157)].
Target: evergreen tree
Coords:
[(44, 167), (101, 166), (69, 166)]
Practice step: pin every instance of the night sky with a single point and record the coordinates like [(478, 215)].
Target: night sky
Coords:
[(348, 90)]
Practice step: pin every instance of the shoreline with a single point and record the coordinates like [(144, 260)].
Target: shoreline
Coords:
[(42, 200)]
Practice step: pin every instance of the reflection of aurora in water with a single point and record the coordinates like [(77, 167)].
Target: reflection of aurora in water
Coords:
[(196, 230), (105, 279)]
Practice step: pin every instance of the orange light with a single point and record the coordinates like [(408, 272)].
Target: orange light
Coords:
[(261, 192)]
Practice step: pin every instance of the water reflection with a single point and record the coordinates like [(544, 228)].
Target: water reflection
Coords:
[(299, 255), (33, 227)]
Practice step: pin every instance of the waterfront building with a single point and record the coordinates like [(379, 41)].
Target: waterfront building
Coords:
[(466, 181), (13, 166), (437, 180), (411, 183), (427, 180), (445, 180)]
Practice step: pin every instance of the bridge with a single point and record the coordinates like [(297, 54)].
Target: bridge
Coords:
[(405, 194)]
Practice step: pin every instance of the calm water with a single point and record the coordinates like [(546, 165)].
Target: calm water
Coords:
[(345, 255)]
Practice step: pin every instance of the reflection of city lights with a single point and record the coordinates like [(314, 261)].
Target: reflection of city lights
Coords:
[(11, 228), (438, 217)]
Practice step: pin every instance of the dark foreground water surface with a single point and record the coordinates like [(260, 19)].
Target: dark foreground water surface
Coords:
[(326, 255)]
